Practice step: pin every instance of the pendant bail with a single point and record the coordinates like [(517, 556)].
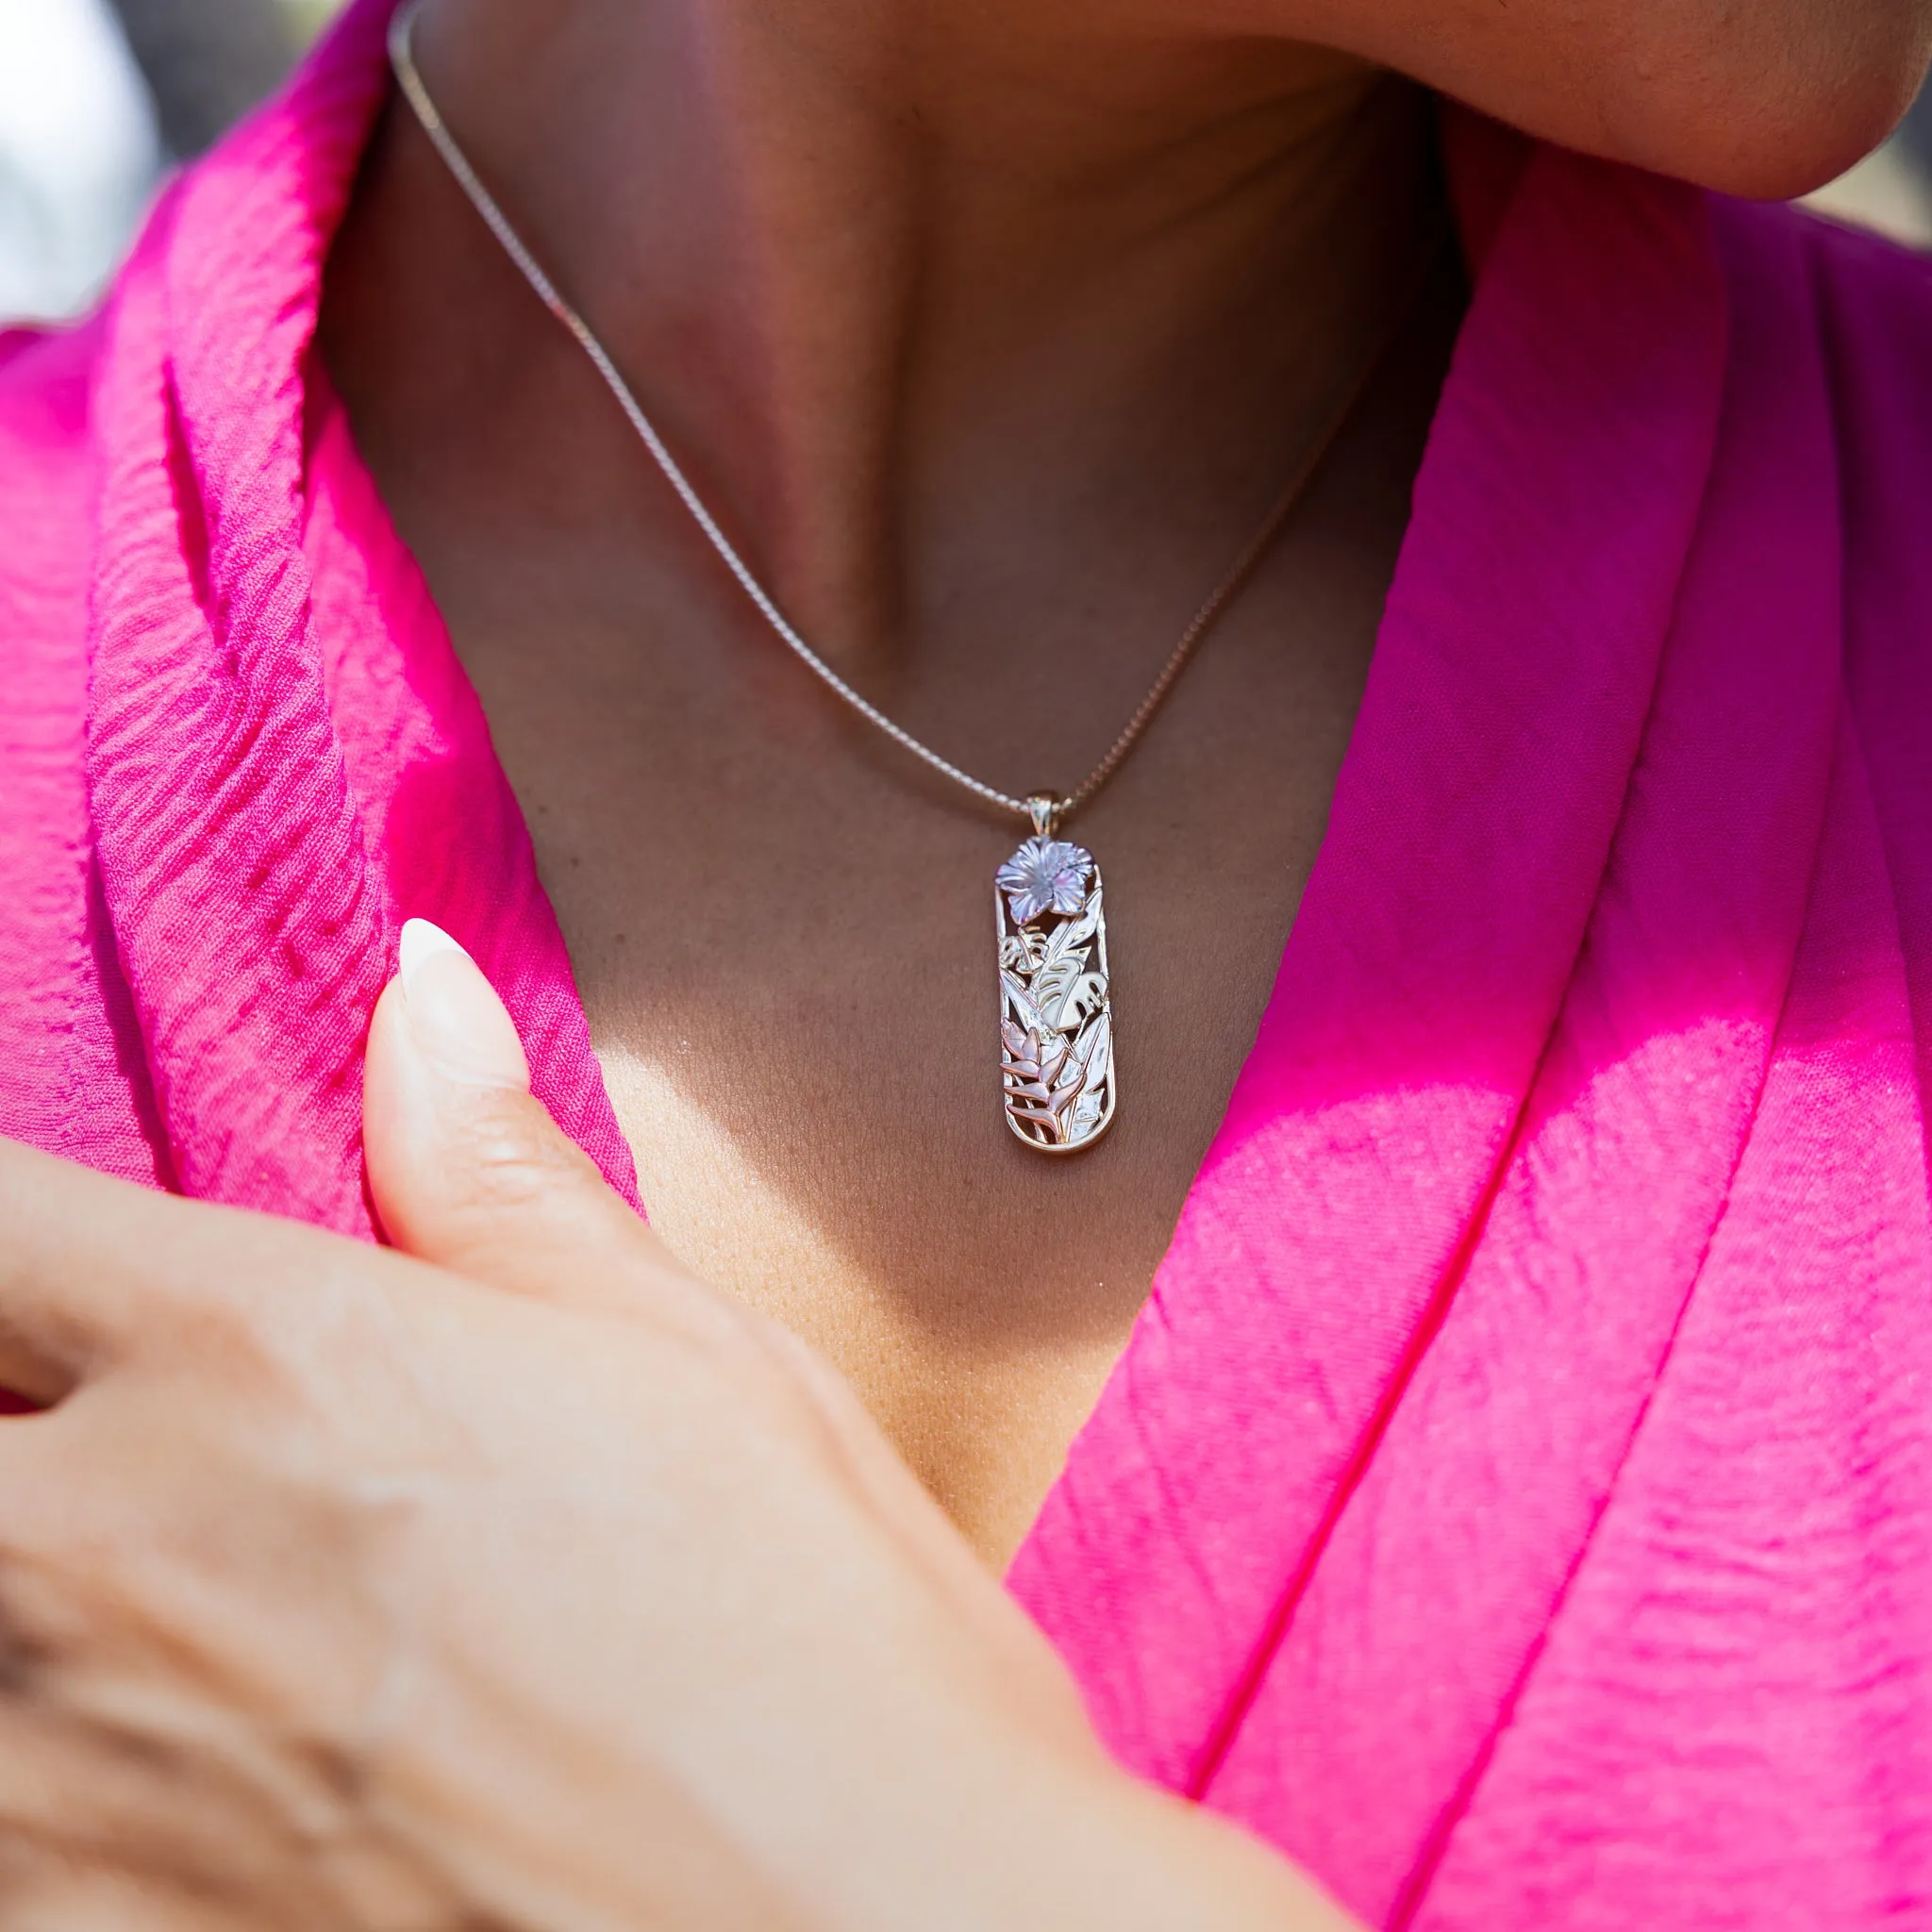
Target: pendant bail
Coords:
[(1043, 808)]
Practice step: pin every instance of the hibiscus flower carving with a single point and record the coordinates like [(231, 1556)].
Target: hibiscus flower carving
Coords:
[(1045, 875)]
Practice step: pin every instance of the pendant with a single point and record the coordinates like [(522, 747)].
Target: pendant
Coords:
[(1055, 1016)]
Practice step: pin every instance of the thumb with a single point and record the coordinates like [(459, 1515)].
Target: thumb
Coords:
[(466, 1167)]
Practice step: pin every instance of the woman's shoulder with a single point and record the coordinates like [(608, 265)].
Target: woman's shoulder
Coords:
[(1873, 302), (45, 496), (46, 472), (1875, 309), (1869, 306), (1860, 255), (46, 373), (45, 502), (71, 1074)]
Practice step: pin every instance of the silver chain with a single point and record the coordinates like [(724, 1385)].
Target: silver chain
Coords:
[(1039, 805)]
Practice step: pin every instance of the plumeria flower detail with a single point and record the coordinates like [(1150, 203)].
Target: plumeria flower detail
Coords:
[(1045, 875)]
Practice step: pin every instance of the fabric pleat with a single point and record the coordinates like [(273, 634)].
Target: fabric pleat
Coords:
[(256, 890)]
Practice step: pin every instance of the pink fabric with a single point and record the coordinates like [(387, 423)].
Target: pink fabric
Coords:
[(254, 841), (1516, 1500)]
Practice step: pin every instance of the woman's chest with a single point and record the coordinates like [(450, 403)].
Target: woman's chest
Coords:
[(784, 938), (782, 927), (789, 964)]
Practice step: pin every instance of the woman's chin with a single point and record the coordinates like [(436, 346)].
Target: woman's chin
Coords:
[(1767, 136), (1767, 100)]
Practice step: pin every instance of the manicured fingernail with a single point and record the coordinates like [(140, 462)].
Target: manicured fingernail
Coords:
[(457, 1022)]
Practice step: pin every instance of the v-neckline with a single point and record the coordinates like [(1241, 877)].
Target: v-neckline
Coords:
[(1305, 1256), (1470, 823)]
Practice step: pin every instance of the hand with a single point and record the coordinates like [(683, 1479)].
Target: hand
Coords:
[(515, 1579)]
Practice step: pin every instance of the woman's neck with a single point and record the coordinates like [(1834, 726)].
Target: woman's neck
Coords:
[(890, 271)]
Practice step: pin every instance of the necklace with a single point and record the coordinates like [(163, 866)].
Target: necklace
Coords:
[(1058, 1072)]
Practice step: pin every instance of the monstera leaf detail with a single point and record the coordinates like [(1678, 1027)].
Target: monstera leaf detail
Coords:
[(1025, 1007), (1062, 970)]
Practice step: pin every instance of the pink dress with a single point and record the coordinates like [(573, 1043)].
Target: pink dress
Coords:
[(1516, 1499)]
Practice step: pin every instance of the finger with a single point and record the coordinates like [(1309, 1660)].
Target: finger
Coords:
[(95, 1270), (45, 1891), (466, 1167), (60, 1310), (84, 1260), (122, 1820), (100, 1818)]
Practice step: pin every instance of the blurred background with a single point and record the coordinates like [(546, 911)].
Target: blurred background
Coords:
[(99, 97)]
